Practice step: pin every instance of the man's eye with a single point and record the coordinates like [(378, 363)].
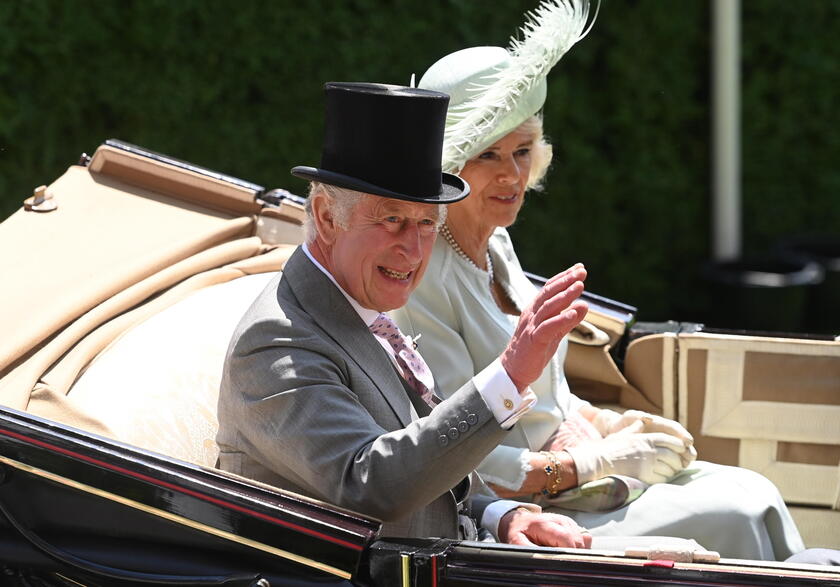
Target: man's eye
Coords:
[(392, 219)]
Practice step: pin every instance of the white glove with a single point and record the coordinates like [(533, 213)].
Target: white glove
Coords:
[(652, 458), (609, 422)]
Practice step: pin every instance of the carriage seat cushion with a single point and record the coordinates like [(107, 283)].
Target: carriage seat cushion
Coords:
[(157, 386)]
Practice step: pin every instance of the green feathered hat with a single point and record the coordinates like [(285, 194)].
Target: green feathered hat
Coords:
[(493, 90)]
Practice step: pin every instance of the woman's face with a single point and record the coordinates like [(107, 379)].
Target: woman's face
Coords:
[(497, 178)]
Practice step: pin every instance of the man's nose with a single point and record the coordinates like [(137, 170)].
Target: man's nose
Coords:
[(411, 242)]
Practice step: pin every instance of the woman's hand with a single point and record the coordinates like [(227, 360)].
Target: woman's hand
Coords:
[(543, 324), (609, 422), (652, 457)]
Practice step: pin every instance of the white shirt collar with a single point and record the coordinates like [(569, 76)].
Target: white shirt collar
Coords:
[(366, 314)]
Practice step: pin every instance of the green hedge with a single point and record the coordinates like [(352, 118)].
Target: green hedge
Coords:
[(237, 88)]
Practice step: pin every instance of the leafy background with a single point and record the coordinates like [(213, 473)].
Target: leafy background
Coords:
[(237, 87)]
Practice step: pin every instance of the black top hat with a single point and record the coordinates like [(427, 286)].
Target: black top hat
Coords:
[(385, 140)]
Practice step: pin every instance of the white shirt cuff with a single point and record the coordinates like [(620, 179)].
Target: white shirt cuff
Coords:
[(493, 513), (501, 396)]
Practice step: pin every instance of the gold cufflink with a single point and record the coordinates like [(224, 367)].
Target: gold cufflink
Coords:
[(508, 404)]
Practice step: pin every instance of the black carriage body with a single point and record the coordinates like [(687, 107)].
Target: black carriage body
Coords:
[(71, 499), (82, 508)]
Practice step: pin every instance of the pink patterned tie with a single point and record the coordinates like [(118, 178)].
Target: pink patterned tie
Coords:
[(414, 368)]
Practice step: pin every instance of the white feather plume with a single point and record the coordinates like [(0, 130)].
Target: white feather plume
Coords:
[(548, 33)]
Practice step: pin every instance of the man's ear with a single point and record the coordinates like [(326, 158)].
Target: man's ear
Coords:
[(324, 218)]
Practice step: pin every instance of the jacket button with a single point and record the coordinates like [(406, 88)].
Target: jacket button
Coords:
[(453, 433), (463, 426), (443, 440), (472, 419)]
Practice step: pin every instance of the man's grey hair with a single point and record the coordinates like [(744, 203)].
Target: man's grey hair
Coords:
[(342, 202)]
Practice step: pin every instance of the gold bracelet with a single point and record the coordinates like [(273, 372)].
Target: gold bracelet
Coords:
[(552, 470)]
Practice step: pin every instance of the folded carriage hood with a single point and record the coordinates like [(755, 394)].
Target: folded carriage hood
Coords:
[(118, 221)]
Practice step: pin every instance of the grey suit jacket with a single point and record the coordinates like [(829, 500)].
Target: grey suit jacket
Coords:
[(311, 402)]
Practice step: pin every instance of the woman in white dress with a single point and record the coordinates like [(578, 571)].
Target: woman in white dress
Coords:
[(615, 474)]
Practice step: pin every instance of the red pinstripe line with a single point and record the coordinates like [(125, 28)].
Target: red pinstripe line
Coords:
[(190, 492)]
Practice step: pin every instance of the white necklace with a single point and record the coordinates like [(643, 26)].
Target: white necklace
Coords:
[(447, 236)]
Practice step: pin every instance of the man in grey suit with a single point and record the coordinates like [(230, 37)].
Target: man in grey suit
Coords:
[(322, 395)]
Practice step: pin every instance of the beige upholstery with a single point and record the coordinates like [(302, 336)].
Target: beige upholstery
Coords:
[(763, 393), (768, 404), (591, 370), (129, 238), (157, 386), (104, 237), (649, 367)]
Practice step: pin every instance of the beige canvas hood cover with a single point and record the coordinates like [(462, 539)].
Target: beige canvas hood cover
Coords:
[(125, 228)]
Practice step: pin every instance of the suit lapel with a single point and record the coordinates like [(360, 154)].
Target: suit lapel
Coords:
[(328, 307), (421, 408)]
